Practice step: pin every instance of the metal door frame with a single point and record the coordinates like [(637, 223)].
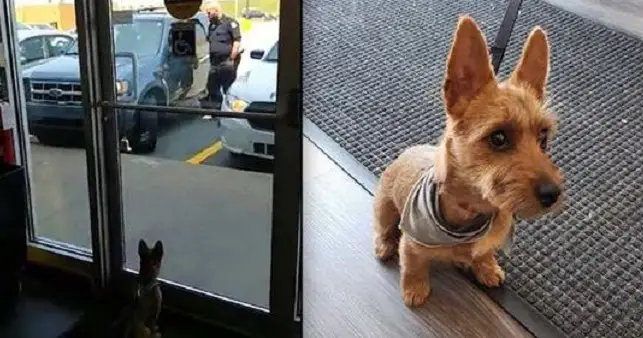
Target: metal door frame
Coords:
[(41, 251), (97, 81)]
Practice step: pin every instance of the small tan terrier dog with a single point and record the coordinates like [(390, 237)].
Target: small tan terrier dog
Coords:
[(456, 202)]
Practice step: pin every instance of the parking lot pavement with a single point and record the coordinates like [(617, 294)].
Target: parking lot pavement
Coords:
[(183, 139), (195, 140), (214, 221), (212, 207)]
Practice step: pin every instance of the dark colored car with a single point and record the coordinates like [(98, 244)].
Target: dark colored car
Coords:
[(147, 72), (252, 13)]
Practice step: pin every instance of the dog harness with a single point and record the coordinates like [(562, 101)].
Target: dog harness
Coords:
[(423, 221)]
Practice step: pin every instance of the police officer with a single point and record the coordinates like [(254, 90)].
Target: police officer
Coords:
[(224, 36)]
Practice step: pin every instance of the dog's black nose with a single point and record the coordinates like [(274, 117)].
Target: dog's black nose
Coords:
[(547, 193)]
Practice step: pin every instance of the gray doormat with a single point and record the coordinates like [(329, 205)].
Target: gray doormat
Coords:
[(372, 75)]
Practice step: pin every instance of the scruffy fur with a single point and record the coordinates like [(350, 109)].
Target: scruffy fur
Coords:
[(474, 176)]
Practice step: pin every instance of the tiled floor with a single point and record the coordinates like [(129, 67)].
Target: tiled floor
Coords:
[(46, 313), (41, 313)]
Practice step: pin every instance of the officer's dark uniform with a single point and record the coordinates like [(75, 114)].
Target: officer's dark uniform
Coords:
[(223, 70)]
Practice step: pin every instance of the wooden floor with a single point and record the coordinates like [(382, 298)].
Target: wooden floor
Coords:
[(347, 293)]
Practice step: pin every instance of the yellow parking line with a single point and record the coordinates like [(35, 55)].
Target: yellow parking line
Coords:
[(205, 153)]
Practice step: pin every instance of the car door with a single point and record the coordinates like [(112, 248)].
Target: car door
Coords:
[(57, 44), (200, 66), (32, 49), (179, 70)]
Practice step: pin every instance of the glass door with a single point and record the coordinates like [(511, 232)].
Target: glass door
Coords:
[(49, 135), (199, 152)]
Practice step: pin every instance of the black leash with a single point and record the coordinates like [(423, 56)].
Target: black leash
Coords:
[(504, 34)]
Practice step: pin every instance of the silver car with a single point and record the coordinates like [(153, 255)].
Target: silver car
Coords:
[(253, 91)]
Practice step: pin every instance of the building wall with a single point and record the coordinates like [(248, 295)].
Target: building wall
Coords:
[(62, 15)]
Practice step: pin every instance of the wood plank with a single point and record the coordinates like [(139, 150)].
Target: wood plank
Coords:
[(348, 293)]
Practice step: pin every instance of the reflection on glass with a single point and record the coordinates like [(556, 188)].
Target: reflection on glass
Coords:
[(141, 37), (211, 209), (205, 185), (55, 117)]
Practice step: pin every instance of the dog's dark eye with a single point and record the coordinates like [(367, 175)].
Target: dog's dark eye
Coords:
[(499, 140), (543, 138)]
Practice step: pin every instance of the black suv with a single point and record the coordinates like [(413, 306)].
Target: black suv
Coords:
[(147, 73)]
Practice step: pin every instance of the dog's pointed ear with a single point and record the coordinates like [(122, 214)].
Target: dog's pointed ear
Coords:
[(468, 65), (533, 67), (158, 250), (142, 248)]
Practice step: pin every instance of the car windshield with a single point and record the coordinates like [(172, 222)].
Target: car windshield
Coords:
[(273, 55), (143, 37)]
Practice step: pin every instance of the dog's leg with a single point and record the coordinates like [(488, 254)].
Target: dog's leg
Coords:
[(414, 279), (487, 270), (385, 221)]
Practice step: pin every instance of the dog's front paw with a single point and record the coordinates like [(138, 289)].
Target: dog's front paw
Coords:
[(416, 295), (490, 275), (384, 250)]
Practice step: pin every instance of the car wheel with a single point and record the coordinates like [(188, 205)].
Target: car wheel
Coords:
[(144, 135)]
